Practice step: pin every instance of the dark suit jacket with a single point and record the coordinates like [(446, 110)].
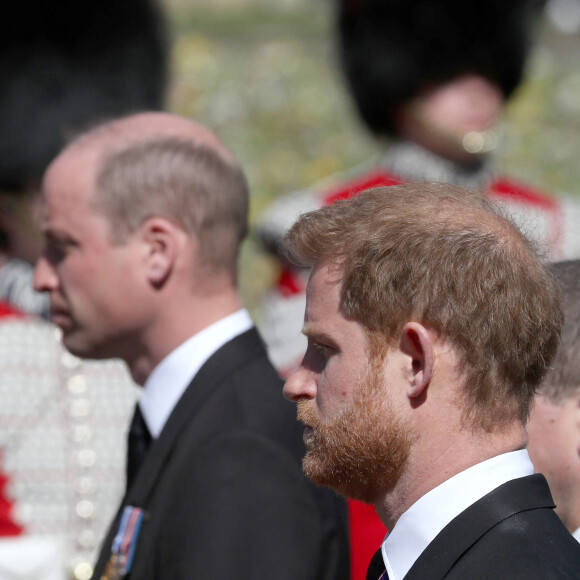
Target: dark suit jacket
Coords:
[(511, 533), (223, 488)]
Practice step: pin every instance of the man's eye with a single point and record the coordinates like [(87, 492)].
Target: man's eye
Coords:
[(317, 355), (322, 349), (55, 251)]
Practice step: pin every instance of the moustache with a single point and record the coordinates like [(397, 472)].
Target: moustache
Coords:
[(307, 414)]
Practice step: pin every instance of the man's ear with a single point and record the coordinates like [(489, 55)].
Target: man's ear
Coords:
[(417, 344), (160, 237)]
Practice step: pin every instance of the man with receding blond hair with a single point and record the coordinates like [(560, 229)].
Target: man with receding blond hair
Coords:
[(143, 219)]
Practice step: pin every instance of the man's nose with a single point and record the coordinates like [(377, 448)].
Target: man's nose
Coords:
[(300, 384), (45, 278)]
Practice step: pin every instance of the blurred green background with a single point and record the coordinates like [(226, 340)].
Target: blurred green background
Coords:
[(263, 76)]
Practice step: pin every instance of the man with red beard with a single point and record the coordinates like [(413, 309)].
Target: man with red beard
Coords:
[(430, 322)]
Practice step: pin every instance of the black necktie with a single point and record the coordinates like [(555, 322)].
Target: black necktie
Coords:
[(138, 443), (376, 570)]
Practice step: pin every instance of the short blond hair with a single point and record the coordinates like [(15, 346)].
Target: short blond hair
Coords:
[(181, 180)]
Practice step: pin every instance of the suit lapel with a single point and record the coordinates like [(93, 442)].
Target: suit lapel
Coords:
[(460, 534), (220, 365)]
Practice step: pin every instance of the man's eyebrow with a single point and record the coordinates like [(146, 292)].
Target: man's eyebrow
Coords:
[(51, 233), (55, 235), (310, 331)]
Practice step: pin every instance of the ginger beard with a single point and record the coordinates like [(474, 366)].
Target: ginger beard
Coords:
[(362, 451)]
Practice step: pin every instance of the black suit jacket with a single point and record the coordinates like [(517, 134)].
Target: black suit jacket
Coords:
[(223, 489), (511, 533)]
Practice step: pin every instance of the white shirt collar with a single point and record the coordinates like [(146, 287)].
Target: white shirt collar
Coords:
[(576, 534), (169, 379), (419, 525)]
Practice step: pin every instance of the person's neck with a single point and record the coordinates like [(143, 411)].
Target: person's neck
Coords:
[(569, 511), (179, 320), (432, 465)]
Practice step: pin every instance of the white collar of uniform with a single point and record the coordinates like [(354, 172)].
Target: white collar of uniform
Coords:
[(576, 534), (169, 379), (419, 525)]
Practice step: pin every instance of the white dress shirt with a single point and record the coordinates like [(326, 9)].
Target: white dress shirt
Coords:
[(172, 375), (419, 525), (576, 534)]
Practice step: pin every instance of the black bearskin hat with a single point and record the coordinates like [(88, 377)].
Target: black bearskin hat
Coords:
[(390, 49), (68, 64)]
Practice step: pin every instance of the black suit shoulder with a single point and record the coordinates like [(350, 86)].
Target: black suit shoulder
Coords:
[(511, 533), (529, 545), (252, 399)]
